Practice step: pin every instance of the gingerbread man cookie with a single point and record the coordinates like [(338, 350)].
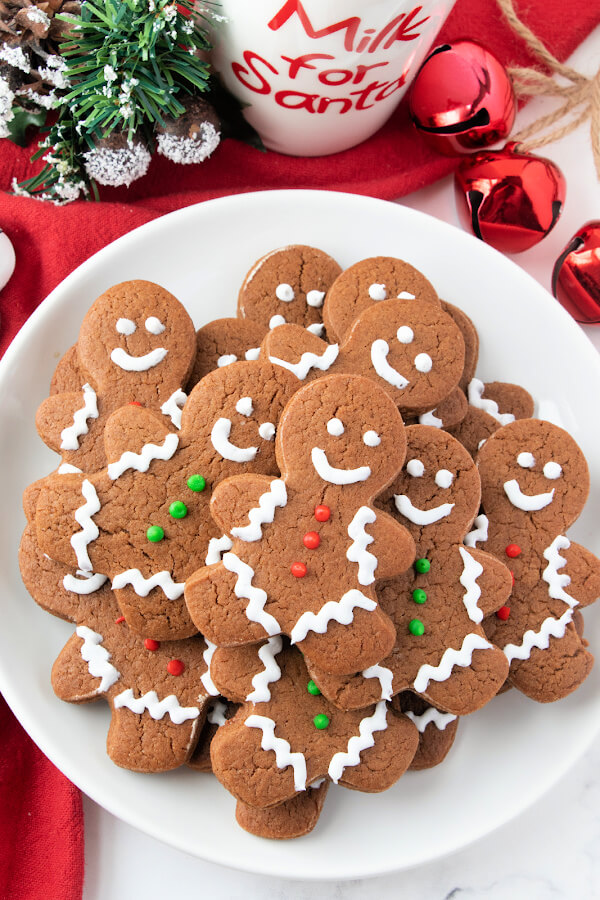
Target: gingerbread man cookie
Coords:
[(136, 344), (413, 350), (535, 483), (144, 521), (286, 736), (437, 729), (491, 406), (299, 564), (441, 650), (222, 342), (158, 692), (288, 285)]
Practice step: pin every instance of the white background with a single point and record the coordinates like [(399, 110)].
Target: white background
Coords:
[(551, 851)]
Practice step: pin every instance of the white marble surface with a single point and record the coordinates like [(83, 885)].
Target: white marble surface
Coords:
[(551, 851)]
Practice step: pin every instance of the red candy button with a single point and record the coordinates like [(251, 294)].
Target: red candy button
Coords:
[(311, 540), (322, 513), (503, 613), (175, 667), (298, 569), (151, 644), (119, 620), (513, 550)]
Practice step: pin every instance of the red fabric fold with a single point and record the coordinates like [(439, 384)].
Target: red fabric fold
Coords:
[(41, 828)]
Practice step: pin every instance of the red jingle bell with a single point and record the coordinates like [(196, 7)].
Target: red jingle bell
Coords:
[(509, 199), (576, 275), (462, 98)]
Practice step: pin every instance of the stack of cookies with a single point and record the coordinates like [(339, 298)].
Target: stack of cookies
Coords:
[(299, 544)]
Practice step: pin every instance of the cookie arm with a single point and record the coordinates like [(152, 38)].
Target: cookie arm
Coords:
[(294, 348), (390, 756), (72, 678), (56, 415), (394, 546), (65, 526), (495, 582), (233, 670), (583, 568), (233, 498)]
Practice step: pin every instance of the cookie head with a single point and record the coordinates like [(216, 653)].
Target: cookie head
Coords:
[(137, 333), (533, 471), (234, 412), (343, 431), (438, 492)]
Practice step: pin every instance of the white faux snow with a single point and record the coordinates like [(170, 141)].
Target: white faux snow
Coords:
[(117, 167), (186, 150)]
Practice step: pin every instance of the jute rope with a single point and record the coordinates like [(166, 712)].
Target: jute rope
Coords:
[(579, 93)]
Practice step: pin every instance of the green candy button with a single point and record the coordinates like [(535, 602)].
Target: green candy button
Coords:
[(178, 509), (155, 534), (321, 721), (416, 627), (312, 688), (196, 483), (422, 566), (419, 595)]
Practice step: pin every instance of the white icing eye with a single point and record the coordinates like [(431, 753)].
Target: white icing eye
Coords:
[(371, 438), (415, 468), (126, 326), (377, 292), (315, 298), (267, 431), (526, 460), (406, 295), (443, 478), (285, 292), (253, 353), (318, 328), (226, 360), (335, 427), (154, 325), (552, 470), (244, 406), (405, 334), (423, 362), (274, 321)]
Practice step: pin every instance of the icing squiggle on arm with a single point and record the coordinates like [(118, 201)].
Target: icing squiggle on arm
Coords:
[(479, 534), (173, 407), (216, 548), (270, 673), (70, 435), (450, 658), (358, 743), (439, 719), (216, 713), (357, 551), (206, 679), (140, 462), (472, 569), (264, 513), (385, 677), (341, 611), (157, 708), (475, 396), (309, 361), (97, 658), (283, 755), (142, 586), (89, 530), (245, 590)]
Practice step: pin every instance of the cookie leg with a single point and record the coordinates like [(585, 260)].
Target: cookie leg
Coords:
[(155, 616), (143, 744), (382, 765), (343, 649), (470, 687), (291, 819), (553, 673)]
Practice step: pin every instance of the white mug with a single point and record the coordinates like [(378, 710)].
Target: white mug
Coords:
[(319, 76)]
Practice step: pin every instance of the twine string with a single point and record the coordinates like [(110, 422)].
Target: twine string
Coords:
[(580, 94)]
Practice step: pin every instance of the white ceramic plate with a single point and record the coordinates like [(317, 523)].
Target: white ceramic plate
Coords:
[(505, 756)]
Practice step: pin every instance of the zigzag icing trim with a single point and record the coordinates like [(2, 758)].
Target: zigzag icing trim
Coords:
[(142, 586), (480, 533), (450, 658), (439, 719), (97, 658), (358, 743), (264, 513), (309, 361), (68, 469), (86, 583), (216, 548), (270, 673), (283, 755), (89, 530), (216, 713), (245, 590), (550, 627), (475, 395), (341, 611), (206, 679), (357, 551), (70, 435), (173, 407), (157, 708), (140, 462), (472, 569), (385, 676), (429, 418)]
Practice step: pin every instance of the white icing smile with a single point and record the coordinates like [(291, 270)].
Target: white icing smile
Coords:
[(334, 475), (130, 363), (220, 440), (379, 352), (421, 516), (532, 503)]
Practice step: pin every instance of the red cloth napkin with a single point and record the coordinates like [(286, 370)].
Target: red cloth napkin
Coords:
[(41, 833)]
